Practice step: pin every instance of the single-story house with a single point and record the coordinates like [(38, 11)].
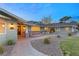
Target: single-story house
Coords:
[(13, 27), (62, 27)]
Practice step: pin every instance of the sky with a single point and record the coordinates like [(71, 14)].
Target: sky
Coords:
[(35, 12)]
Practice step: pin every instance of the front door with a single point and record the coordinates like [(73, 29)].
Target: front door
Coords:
[(21, 31)]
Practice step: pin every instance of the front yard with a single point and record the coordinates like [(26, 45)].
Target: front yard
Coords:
[(58, 46), (5, 49), (70, 46)]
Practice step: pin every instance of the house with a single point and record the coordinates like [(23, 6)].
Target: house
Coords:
[(63, 27), (10, 26), (13, 27)]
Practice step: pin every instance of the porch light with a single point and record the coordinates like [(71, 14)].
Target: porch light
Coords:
[(3, 25), (24, 27), (11, 26)]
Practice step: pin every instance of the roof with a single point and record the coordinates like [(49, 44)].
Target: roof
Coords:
[(12, 16), (52, 24), (2, 16), (61, 24), (36, 23)]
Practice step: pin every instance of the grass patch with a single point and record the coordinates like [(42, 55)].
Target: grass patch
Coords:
[(1, 49), (70, 46)]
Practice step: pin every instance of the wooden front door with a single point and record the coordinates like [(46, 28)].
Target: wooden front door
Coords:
[(21, 31)]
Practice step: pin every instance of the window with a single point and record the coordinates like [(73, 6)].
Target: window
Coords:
[(2, 27)]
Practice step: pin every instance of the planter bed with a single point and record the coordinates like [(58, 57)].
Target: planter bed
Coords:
[(51, 49), (7, 50)]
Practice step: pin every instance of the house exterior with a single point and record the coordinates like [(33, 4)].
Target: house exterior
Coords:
[(63, 27), (10, 26), (13, 27)]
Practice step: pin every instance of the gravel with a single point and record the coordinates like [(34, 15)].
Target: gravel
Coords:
[(52, 49)]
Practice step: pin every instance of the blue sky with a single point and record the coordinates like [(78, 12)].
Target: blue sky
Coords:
[(29, 11)]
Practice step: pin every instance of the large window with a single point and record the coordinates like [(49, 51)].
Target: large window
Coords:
[(2, 27)]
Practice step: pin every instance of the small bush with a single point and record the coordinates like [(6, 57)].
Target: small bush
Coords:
[(66, 53), (10, 42), (1, 49), (58, 36), (46, 41), (69, 34)]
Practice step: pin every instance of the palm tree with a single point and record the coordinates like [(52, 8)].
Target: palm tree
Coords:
[(64, 19)]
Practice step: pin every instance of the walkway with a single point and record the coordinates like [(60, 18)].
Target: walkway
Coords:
[(24, 48)]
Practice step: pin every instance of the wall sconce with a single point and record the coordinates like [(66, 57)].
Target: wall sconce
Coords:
[(3, 25), (11, 26)]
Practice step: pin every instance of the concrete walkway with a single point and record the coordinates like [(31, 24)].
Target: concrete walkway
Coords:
[(24, 48)]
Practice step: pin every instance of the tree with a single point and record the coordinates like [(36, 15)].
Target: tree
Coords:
[(46, 20), (64, 19)]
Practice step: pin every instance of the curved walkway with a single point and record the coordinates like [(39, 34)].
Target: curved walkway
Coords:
[(24, 48)]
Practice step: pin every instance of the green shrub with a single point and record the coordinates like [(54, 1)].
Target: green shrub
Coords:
[(10, 42), (66, 53), (1, 49), (69, 34), (58, 36), (46, 41)]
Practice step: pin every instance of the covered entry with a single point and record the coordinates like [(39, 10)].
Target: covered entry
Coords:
[(21, 31)]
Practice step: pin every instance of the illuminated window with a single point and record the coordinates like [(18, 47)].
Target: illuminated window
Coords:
[(2, 27)]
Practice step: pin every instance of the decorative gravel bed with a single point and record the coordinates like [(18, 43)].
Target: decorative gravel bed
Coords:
[(52, 49)]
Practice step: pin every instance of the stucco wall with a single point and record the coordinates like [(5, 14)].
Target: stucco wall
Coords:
[(11, 34), (35, 28), (2, 38), (8, 34)]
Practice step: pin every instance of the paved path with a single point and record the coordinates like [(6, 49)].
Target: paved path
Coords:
[(24, 48)]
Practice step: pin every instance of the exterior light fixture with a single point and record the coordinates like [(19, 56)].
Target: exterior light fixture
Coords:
[(3, 25), (11, 26)]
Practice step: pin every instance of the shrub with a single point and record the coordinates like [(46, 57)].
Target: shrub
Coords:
[(69, 34), (58, 36), (10, 42), (46, 41), (66, 53), (1, 49)]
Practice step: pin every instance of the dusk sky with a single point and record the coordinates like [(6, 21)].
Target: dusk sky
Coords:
[(37, 11)]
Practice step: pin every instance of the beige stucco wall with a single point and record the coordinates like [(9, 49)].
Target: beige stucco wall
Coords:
[(11, 34), (8, 34)]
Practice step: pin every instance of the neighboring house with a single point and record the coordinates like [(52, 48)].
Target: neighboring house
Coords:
[(13, 27)]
